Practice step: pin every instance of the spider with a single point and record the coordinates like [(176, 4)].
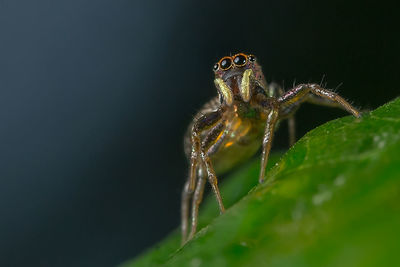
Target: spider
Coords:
[(231, 127)]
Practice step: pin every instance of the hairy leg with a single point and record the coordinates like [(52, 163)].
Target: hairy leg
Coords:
[(302, 91), (201, 124), (212, 179), (186, 195), (267, 139), (317, 100), (197, 198), (211, 139)]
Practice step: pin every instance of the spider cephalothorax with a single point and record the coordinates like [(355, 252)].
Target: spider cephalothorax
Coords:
[(231, 128), (236, 77)]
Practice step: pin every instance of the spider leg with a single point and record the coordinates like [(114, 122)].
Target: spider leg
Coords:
[(272, 118), (317, 100), (186, 195), (301, 93), (197, 198), (292, 130), (201, 123), (212, 179), (210, 139), (188, 190)]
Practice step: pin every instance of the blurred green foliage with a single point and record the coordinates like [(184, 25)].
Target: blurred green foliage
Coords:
[(331, 200)]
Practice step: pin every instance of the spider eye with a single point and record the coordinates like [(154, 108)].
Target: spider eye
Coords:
[(240, 60), (216, 66), (226, 63), (252, 58)]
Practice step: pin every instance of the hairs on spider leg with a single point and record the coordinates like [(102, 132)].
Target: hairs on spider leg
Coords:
[(294, 83), (357, 107), (322, 80), (337, 87)]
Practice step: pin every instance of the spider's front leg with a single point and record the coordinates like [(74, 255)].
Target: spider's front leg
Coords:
[(197, 156), (271, 108), (206, 166), (301, 93)]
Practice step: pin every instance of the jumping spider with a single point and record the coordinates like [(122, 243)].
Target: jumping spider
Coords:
[(230, 127)]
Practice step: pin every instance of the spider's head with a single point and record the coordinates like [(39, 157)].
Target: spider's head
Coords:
[(237, 76)]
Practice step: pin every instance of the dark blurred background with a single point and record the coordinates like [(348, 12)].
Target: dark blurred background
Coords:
[(95, 97)]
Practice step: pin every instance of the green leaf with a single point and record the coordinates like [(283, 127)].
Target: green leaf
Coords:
[(331, 200)]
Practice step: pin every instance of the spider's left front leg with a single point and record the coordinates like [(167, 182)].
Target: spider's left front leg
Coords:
[(302, 91), (271, 108)]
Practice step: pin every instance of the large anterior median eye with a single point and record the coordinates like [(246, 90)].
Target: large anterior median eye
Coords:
[(225, 63), (240, 60)]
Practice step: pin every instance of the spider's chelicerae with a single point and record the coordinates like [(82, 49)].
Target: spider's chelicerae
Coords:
[(231, 127)]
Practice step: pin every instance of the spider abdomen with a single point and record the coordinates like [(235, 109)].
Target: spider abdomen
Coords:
[(240, 140)]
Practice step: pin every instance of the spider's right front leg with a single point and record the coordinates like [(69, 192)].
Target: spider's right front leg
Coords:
[(201, 124)]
